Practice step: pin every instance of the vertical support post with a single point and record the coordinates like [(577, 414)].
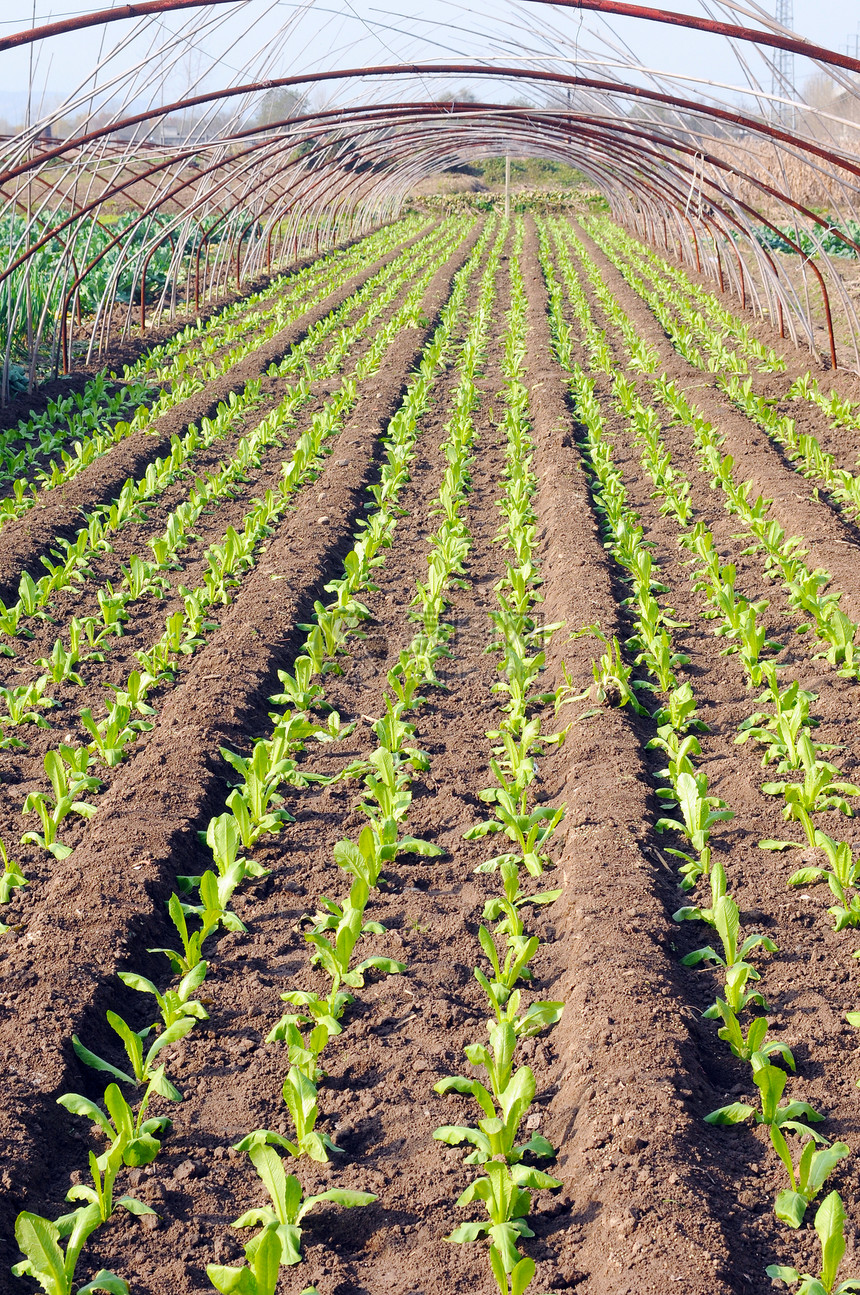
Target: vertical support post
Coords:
[(507, 187)]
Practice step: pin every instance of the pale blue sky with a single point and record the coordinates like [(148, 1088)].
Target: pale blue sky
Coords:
[(351, 32)]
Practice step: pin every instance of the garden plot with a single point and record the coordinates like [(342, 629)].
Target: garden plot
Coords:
[(457, 888)]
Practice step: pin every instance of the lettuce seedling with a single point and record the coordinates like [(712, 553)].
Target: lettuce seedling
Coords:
[(377, 845), (495, 1136), (814, 1168), (11, 877), (317, 1011), (770, 1081), (60, 665), (523, 828), (700, 813), (334, 955), (173, 1004), (750, 1046), (389, 791), (506, 1195), (135, 1133), (259, 1276), (112, 734), (21, 702), (103, 1171), (404, 680), (520, 951), (505, 1007), (46, 1262), (726, 921), (830, 1226), (329, 916), (224, 838), (819, 790), (260, 778), (192, 944), (718, 890), (288, 1209), (303, 1052), (843, 874), (299, 693), (66, 789), (300, 1094), (143, 1071), (507, 909)]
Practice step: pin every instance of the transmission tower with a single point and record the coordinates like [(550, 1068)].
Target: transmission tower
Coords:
[(782, 81)]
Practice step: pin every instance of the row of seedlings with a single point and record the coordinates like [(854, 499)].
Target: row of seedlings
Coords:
[(738, 618), (182, 384), (34, 596), (67, 766), (802, 449), (252, 811), (506, 1095), (783, 555), (840, 410), (201, 340), (90, 413), (105, 520)]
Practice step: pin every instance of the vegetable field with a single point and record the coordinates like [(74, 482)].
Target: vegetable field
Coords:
[(427, 771)]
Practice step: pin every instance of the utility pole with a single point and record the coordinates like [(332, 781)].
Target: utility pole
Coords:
[(507, 186), (782, 80)]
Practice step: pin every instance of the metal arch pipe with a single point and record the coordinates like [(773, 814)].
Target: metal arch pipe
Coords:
[(626, 129), (100, 18), (623, 89), (669, 144), (820, 53), (662, 142), (769, 224)]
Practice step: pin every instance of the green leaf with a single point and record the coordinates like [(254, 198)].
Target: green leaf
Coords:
[(90, 1059), (735, 1113), (105, 1281), (137, 1208), (780, 845), (78, 1105), (807, 876), (467, 1232), (267, 1260), (340, 1196), (790, 1208), (830, 1224), (232, 1281), (779, 1272), (38, 1238), (522, 1275)]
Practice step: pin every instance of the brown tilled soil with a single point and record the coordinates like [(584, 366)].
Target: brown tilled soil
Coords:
[(653, 1199)]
